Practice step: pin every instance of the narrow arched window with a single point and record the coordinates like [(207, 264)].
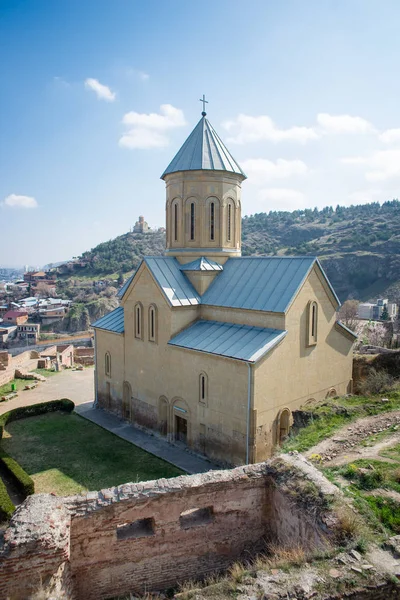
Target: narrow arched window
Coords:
[(138, 316), (192, 221), (203, 387), (229, 223), (107, 365), (212, 221), (152, 323), (175, 222), (312, 325)]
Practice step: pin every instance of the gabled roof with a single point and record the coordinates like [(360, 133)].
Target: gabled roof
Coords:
[(230, 340), (202, 264), (13, 314), (125, 286), (114, 321), (265, 283), (346, 329), (203, 149), (176, 287)]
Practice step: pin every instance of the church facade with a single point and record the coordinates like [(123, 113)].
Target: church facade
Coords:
[(210, 349)]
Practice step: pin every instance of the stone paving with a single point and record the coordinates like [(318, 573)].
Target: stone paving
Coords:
[(175, 455), (78, 386)]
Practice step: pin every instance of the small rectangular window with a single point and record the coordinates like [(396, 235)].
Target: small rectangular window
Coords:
[(137, 529), (212, 220), (192, 221), (229, 221), (195, 517)]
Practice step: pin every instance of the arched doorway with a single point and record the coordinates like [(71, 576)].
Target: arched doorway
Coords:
[(181, 421), (163, 409), (126, 401), (285, 421)]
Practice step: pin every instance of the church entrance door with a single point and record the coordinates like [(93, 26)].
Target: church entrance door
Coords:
[(180, 429), (284, 425)]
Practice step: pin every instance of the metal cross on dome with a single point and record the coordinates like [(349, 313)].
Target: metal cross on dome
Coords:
[(204, 101)]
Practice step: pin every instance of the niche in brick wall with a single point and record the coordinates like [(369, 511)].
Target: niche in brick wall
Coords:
[(137, 529), (196, 517)]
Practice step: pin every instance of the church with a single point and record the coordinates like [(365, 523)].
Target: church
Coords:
[(211, 349)]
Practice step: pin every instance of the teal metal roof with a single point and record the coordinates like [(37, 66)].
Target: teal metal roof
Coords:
[(176, 287), (265, 283), (240, 342), (123, 289), (202, 264), (203, 149), (343, 326), (114, 321)]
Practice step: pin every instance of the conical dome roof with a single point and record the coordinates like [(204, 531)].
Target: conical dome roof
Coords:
[(203, 149)]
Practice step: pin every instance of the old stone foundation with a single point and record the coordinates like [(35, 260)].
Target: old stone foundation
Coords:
[(149, 536)]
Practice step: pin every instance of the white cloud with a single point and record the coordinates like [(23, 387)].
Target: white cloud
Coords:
[(390, 136), (246, 128), (17, 201), (280, 199), (260, 170), (343, 124), (60, 81), (103, 92), (148, 130), (143, 76), (380, 166)]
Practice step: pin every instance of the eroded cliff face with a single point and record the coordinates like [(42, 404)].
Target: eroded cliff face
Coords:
[(363, 275)]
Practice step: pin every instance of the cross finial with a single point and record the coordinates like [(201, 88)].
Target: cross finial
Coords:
[(204, 101)]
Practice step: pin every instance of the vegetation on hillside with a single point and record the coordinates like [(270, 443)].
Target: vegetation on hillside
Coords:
[(359, 246)]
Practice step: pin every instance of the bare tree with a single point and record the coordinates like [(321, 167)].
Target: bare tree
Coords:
[(44, 290), (348, 314)]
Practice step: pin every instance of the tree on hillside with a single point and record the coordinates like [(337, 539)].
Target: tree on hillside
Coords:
[(85, 319), (120, 280), (348, 314), (385, 314)]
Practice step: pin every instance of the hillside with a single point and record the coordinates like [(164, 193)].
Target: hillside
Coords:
[(359, 246)]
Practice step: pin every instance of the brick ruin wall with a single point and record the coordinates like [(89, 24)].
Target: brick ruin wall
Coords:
[(149, 536)]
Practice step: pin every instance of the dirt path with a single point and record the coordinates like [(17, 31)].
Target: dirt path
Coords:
[(344, 445), (386, 494)]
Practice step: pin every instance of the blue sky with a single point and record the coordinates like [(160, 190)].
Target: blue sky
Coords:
[(97, 97)]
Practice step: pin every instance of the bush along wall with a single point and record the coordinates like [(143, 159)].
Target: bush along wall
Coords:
[(17, 475)]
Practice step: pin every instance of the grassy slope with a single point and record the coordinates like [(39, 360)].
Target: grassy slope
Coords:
[(332, 414), (65, 454), (364, 475)]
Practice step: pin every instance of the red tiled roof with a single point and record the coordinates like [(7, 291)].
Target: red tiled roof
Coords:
[(13, 314)]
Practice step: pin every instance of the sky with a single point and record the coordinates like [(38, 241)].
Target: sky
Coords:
[(96, 97)]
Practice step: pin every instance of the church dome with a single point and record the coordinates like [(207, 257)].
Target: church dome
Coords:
[(203, 150)]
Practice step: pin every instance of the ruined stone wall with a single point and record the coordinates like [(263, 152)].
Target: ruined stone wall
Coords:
[(149, 536)]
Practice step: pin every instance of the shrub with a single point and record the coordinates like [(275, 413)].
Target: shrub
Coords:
[(36, 409), (376, 382), (6, 506), (20, 477)]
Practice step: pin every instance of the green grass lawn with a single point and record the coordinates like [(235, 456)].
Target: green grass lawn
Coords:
[(6, 388), (66, 454)]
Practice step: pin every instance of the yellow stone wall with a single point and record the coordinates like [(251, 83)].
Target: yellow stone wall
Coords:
[(201, 188), (165, 383), (293, 372), (160, 374), (109, 396)]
